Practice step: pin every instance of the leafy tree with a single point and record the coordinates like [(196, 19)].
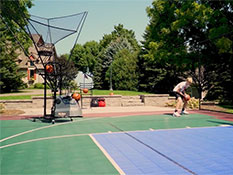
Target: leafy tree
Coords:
[(207, 28), (11, 24), (160, 57), (13, 15), (85, 55), (189, 37), (67, 70), (78, 57)]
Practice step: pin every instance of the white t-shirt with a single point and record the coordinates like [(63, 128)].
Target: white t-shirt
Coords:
[(181, 86)]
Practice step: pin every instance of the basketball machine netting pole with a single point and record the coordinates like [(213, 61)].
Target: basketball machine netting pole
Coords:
[(45, 92)]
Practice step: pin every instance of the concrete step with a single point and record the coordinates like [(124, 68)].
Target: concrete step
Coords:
[(131, 101), (131, 97), (132, 104)]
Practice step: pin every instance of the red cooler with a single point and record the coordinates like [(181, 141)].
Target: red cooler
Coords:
[(101, 102)]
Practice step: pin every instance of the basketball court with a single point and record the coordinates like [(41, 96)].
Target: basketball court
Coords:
[(143, 143)]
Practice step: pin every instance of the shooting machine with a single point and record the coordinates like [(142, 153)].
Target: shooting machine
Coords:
[(45, 33)]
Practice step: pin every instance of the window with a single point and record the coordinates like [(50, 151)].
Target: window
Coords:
[(31, 74)]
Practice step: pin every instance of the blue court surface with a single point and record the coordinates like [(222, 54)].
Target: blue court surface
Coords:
[(174, 151)]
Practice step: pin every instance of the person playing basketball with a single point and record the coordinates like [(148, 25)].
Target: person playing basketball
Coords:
[(179, 91)]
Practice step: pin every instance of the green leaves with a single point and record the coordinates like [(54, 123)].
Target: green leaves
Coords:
[(124, 70), (86, 56), (13, 14), (183, 36), (224, 45), (113, 56)]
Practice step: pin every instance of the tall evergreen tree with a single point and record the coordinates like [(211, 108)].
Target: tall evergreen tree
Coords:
[(124, 70), (111, 44)]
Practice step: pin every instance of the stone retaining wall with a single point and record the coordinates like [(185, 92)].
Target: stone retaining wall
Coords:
[(110, 100), (156, 99)]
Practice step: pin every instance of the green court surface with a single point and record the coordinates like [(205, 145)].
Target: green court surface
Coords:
[(66, 148)]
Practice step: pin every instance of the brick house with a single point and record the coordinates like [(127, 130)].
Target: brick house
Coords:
[(33, 67)]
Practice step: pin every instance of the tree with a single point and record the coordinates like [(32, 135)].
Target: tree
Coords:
[(160, 57), (111, 44), (66, 70), (10, 77), (124, 70), (12, 21), (85, 55), (13, 15), (120, 31), (207, 27), (189, 37)]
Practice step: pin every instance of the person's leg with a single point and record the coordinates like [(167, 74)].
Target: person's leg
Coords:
[(178, 104), (184, 107)]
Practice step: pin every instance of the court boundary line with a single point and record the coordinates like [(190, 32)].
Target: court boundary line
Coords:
[(116, 166), (44, 127), (41, 139), (99, 133)]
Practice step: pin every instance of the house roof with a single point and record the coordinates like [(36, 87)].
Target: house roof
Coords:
[(42, 49)]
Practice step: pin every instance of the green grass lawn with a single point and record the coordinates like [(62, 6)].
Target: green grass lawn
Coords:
[(228, 108), (95, 92), (118, 92), (18, 97)]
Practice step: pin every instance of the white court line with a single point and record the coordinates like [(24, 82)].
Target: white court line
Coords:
[(107, 155), (46, 138), (44, 127), (63, 136), (40, 139)]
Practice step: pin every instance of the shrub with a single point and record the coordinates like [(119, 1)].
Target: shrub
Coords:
[(2, 107), (192, 103), (40, 86)]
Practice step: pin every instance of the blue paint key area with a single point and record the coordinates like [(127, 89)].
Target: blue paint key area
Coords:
[(174, 151)]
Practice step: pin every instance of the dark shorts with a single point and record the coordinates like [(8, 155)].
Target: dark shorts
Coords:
[(177, 95)]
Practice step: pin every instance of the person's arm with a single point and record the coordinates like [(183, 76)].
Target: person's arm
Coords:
[(180, 92)]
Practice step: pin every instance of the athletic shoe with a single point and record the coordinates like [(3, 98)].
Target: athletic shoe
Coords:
[(184, 112), (176, 114)]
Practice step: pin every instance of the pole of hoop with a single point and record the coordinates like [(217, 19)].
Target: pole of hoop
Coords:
[(45, 92)]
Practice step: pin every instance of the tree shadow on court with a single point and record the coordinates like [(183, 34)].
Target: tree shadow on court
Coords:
[(221, 122)]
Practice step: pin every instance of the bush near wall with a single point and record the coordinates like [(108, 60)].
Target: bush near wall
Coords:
[(192, 103)]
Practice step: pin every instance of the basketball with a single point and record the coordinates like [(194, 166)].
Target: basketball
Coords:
[(49, 68), (76, 96), (187, 97), (85, 90)]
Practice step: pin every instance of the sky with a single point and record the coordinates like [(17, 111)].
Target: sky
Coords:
[(102, 16)]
